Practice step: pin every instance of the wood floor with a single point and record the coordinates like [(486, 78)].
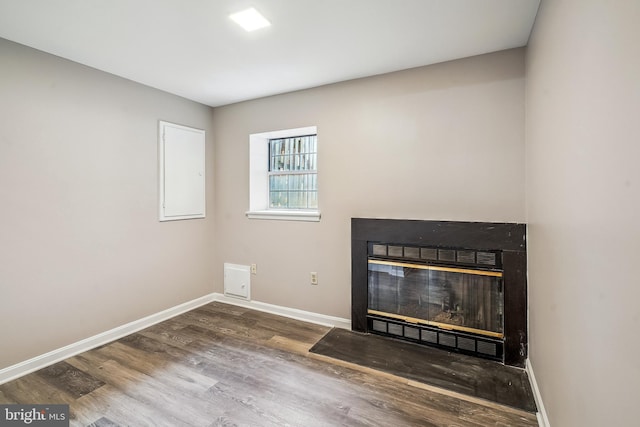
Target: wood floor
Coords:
[(222, 365)]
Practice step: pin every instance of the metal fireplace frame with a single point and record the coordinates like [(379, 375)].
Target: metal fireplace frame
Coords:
[(506, 239)]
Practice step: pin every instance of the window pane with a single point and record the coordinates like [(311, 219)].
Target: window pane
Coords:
[(278, 199), (292, 173), (293, 180), (313, 200), (278, 182), (295, 200), (293, 154)]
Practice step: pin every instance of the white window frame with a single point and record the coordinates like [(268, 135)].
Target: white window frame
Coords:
[(259, 178)]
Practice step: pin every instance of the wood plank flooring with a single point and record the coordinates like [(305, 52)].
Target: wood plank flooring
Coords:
[(222, 365)]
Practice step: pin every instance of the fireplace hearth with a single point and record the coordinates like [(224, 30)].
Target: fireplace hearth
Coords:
[(460, 286)]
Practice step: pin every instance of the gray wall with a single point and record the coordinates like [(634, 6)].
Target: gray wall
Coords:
[(438, 142), (81, 248), (583, 206)]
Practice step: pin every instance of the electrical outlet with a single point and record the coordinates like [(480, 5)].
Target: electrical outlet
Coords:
[(314, 278), (254, 269)]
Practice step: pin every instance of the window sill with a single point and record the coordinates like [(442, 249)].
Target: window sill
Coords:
[(283, 215)]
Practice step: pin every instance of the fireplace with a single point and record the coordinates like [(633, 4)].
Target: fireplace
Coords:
[(460, 286)]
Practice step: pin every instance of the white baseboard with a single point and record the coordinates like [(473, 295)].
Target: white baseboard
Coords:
[(543, 420), (44, 360), (293, 313)]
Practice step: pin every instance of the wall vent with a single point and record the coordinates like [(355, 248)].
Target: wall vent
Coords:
[(237, 281)]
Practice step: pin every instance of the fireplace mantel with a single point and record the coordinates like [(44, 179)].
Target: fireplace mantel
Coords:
[(509, 238)]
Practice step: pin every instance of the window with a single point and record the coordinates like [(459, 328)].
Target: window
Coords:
[(283, 180), (292, 173)]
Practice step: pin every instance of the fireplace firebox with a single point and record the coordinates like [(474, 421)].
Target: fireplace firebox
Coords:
[(460, 286)]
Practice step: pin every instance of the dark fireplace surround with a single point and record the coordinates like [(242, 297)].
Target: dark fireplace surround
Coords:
[(506, 240)]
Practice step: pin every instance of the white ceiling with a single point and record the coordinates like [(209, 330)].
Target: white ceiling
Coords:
[(191, 48)]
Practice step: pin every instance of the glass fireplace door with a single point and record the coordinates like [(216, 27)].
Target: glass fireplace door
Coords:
[(451, 298)]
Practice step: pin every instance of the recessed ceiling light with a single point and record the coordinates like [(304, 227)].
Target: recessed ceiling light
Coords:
[(250, 19)]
